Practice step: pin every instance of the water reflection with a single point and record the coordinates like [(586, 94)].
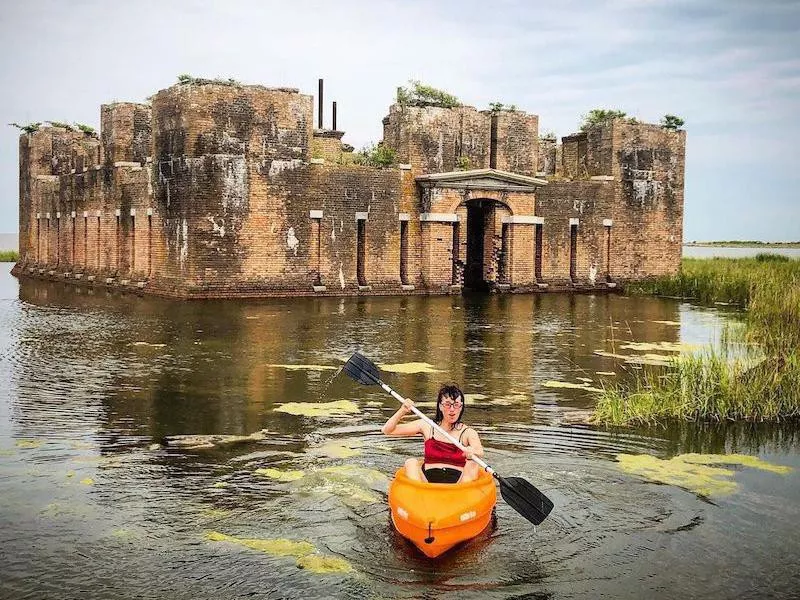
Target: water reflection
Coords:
[(101, 379)]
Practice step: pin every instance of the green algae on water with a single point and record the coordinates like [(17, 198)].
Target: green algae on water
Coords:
[(306, 554), (572, 386), (744, 460), (352, 484), (662, 346), (410, 367), (334, 450), (320, 409), (280, 475), (28, 444), (274, 547), (303, 367), (317, 563), (692, 471)]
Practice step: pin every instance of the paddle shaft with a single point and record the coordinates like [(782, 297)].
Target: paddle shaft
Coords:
[(435, 425)]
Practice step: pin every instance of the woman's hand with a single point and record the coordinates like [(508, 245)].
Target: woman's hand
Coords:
[(407, 404), (469, 454)]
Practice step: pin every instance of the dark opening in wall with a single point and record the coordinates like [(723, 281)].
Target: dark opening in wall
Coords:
[(573, 251), (456, 252), (316, 234), (85, 241), (493, 143), (149, 245), (47, 242), (476, 234), (58, 240), (404, 252), (38, 241), (537, 253), (608, 252), (502, 267), (97, 245), (116, 237), (133, 243), (72, 256), (361, 251)]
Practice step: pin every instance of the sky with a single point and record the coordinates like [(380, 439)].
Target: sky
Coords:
[(729, 68)]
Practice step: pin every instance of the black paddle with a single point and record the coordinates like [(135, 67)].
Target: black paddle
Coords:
[(517, 492)]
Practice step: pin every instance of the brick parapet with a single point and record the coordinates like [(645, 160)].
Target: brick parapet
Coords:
[(126, 132)]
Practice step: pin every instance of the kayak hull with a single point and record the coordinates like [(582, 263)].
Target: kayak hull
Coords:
[(437, 516)]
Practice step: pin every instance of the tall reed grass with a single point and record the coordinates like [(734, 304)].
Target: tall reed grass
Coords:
[(753, 375), (9, 256)]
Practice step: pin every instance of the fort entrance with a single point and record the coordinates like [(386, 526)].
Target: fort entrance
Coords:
[(485, 256)]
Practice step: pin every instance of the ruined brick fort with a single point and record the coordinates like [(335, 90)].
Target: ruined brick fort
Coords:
[(229, 190)]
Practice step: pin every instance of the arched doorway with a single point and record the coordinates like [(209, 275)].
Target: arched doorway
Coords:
[(485, 247)]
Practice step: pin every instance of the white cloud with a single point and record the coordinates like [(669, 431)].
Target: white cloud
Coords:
[(731, 69)]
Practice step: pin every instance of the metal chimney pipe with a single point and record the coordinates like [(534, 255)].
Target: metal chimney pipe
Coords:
[(334, 115), (319, 109)]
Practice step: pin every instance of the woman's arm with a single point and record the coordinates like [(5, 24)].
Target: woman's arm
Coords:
[(393, 427), (473, 444)]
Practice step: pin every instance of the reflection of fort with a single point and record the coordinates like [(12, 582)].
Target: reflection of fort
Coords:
[(212, 374), (228, 190)]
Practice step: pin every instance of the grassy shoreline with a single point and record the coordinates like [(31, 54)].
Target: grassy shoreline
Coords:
[(753, 375), (9, 256)]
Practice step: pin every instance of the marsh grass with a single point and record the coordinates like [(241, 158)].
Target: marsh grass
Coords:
[(9, 256), (754, 374)]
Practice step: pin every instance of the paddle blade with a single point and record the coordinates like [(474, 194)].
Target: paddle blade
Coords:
[(362, 369), (524, 498)]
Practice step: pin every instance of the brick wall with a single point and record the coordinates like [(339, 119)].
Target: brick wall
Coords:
[(650, 163), (590, 202), (517, 142), (126, 132), (213, 192)]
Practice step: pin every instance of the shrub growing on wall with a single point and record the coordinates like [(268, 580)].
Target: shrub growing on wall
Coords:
[(672, 122), (600, 116), (375, 155), (419, 94), (28, 128)]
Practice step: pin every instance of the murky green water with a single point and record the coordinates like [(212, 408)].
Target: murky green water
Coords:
[(94, 505)]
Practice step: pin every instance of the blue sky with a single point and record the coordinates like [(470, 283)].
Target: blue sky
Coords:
[(731, 69)]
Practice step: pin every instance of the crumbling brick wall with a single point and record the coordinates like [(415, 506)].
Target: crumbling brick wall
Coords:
[(434, 140), (126, 132), (213, 192), (517, 142)]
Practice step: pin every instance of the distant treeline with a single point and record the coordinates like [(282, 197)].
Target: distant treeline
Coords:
[(746, 244)]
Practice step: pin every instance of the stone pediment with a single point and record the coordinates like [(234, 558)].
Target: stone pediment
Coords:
[(481, 179)]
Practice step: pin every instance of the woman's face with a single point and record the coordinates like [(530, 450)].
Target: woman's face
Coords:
[(451, 408)]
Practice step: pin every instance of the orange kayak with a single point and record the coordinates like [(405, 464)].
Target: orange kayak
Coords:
[(437, 516)]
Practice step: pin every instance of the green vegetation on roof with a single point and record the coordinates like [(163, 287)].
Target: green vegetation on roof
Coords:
[(672, 122), (375, 155), (601, 116), (186, 79), (499, 106), (28, 128), (419, 94)]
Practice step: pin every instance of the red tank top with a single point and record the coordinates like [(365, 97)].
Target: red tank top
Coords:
[(444, 453)]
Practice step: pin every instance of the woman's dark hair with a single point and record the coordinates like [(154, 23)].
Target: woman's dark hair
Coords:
[(454, 393)]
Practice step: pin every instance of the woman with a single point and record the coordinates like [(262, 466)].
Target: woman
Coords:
[(443, 462)]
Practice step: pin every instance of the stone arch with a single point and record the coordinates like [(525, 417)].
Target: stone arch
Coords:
[(470, 195)]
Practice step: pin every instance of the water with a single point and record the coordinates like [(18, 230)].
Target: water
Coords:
[(736, 252), (9, 241), (94, 382)]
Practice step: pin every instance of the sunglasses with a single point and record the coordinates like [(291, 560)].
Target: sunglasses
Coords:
[(451, 404)]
